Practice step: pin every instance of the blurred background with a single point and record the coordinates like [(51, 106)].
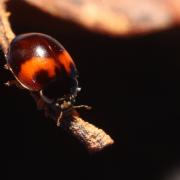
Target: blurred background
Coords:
[(129, 75)]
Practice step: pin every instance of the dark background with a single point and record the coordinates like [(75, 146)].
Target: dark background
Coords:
[(132, 84)]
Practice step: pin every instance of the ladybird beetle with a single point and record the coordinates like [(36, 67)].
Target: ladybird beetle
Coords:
[(40, 64), (38, 60)]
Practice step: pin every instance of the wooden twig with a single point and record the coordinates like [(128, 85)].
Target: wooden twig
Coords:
[(6, 34), (94, 139)]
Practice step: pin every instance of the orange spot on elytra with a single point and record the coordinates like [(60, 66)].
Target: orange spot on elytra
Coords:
[(31, 67), (66, 60)]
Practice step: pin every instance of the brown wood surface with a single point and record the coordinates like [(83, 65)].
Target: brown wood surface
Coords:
[(115, 17)]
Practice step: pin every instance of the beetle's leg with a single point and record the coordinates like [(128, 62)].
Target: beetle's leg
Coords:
[(14, 82), (6, 67), (82, 106), (58, 123), (45, 99)]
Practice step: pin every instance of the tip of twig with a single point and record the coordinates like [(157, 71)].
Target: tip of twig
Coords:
[(108, 141), (95, 139)]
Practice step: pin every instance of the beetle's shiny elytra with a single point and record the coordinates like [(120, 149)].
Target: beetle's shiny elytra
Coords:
[(36, 60)]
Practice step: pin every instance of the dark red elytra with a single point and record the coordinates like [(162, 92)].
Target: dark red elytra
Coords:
[(37, 60)]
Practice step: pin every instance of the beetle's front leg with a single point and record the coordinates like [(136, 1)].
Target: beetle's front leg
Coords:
[(14, 82)]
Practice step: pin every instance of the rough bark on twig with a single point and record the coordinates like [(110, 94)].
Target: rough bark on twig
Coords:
[(6, 34), (95, 139), (115, 17)]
